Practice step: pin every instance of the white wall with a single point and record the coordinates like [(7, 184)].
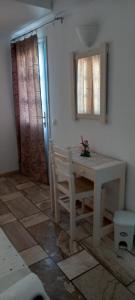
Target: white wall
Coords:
[(8, 146), (117, 138)]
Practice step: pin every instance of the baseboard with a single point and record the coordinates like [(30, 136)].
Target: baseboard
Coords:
[(9, 173)]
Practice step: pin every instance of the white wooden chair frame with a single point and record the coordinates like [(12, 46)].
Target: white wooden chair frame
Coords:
[(62, 170)]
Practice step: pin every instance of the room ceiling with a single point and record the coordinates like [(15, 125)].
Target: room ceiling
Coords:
[(14, 14), (40, 3), (69, 5)]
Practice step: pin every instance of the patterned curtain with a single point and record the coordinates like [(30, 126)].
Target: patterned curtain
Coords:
[(28, 109)]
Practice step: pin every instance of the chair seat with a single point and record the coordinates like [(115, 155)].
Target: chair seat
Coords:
[(81, 185)]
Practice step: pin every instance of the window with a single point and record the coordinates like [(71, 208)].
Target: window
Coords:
[(90, 70)]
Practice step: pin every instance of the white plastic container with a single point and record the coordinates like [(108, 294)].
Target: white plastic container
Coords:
[(124, 225)]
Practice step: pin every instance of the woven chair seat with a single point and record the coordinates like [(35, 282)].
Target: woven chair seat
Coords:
[(81, 185)]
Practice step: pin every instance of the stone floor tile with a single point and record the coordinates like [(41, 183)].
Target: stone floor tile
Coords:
[(18, 178), (99, 284), (48, 212), (44, 205), (96, 283), (131, 287), (34, 219), (122, 265), (64, 220), (45, 187), (6, 187), (7, 218), (33, 255), (21, 207), (11, 196), (77, 264), (54, 281), (19, 237), (83, 227), (36, 194), (81, 233), (25, 185), (3, 209), (55, 241), (67, 246)]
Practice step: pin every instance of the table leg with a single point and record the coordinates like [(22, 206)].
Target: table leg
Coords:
[(97, 215), (121, 203)]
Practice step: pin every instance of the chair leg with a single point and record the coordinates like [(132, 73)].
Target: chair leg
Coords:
[(72, 220), (72, 228), (102, 206), (57, 207), (83, 205)]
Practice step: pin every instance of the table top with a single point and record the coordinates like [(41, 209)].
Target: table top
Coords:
[(96, 161)]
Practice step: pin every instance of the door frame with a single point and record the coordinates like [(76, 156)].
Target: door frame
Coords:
[(44, 42)]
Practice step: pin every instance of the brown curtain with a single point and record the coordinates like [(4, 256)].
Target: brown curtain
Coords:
[(28, 109)]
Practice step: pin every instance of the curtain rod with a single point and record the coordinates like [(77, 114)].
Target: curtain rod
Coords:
[(61, 19)]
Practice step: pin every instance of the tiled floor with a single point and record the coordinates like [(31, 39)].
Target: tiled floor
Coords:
[(68, 271)]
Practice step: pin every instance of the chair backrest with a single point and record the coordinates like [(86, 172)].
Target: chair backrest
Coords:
[(61, 160)]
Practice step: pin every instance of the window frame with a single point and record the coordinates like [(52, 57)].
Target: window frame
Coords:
[(103, 52)]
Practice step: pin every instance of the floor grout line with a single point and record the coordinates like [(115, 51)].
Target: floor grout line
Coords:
[(67, 277), (130, 283), (84, 247), (76, 277), (105, 267)]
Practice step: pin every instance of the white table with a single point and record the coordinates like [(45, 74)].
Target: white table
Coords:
[(100, 169)]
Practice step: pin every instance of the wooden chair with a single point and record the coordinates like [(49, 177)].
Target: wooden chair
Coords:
[(67, 187)]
